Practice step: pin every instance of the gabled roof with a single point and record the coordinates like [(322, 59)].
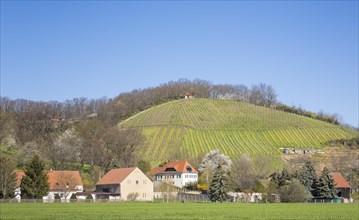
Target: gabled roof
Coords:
[(61, 178), (179, 166), (57, 178), (115, 176), (339, 180)]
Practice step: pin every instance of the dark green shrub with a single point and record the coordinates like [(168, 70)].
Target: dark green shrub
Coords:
[(73, 197), (89, 197)]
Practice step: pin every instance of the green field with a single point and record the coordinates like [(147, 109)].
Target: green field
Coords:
[(187, 129), (206, 211)]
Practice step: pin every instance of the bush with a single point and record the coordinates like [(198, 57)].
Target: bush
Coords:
[(73, 197), (89, 197), (295, 191), (132, 196), (191, 186)]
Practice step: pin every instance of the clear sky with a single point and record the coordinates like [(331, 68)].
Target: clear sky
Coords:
[(58, 50)]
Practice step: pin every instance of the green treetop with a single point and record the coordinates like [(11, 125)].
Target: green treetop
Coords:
[(219, 185), (326, 185), (35, 182)]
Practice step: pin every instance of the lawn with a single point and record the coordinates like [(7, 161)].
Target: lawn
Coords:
[(128, 210)]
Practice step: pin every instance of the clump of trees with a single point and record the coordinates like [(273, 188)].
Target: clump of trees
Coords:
[(210, 163), (333, 119), (303, 185)]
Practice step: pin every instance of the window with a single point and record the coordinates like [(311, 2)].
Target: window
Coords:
[(144, 181), (128, 181), (189, 169), (144, 195), (136, 182)]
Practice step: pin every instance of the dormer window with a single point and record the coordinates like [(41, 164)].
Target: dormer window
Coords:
[(189, 169), (170, 169)]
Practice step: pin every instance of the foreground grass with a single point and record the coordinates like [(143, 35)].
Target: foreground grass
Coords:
[(177, 211)]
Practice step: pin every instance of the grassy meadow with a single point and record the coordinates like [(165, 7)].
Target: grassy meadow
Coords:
[(206, 211), (193, 127)]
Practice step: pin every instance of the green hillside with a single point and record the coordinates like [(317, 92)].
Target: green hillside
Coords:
[(190, 128)]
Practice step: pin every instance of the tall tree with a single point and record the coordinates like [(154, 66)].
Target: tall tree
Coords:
[(7, 177), (242, 173), (308, 177), (218, 190), (326, 185), (35, 182)]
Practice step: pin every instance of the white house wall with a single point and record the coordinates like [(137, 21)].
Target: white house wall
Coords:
[(137, 182), (178, 179)]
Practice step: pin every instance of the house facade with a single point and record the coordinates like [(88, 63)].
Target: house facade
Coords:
[(64, 183), (125, 184), (61, 182), (179, 173)]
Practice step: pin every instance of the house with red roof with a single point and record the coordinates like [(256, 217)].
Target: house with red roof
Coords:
[(179, 173), (61, 182), (344, 190), (125, 184)]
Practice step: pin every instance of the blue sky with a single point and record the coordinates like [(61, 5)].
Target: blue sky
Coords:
[(58, 50)]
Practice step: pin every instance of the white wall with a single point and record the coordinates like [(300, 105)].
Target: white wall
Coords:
[(178, 179), (137, 182)]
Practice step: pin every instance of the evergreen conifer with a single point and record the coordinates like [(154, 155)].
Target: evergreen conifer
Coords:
[(308, 177), (35, 182), (219, 185), (284, 178), (326, 185)]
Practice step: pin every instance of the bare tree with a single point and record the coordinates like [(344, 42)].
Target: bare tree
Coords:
[(167, 188), (243, 174), (7, 177), (65, 183)]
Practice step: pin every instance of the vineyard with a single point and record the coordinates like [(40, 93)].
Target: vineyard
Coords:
[(190, 128)]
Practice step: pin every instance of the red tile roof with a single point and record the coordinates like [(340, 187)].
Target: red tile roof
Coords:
[(179, 166), (56, 178), (61, 178), (115, 176), (339, 180)]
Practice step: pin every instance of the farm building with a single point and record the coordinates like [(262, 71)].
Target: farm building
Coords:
[(342, 186), (124, 184), (179, 173)]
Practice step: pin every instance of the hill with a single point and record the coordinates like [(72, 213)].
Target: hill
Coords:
[(189, 128)]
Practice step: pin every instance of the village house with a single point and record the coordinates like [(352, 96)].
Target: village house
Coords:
[(179, 173), (124, 184), (61, 182), (344, 190)]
